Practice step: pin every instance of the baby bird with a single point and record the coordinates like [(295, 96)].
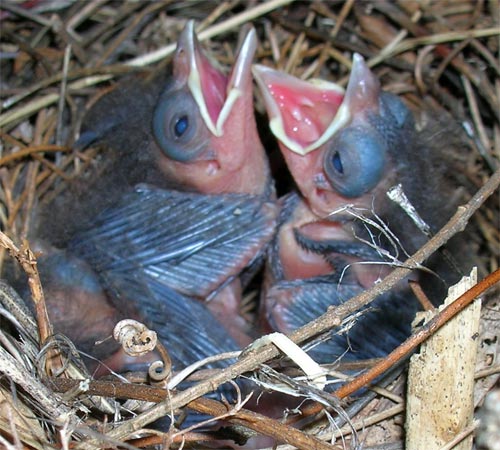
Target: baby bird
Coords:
[(183, 204), (342, 234)]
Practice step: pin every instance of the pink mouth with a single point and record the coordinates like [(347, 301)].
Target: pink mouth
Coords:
[(214, 86), (302, 114), (214, 92), (306, 113)]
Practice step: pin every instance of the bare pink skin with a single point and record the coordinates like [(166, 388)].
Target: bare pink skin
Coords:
[(227, 171), (226, 307), (298, 262), (306, 110), (234, 162)]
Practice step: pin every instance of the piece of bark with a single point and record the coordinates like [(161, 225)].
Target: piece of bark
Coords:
[(441, 378)]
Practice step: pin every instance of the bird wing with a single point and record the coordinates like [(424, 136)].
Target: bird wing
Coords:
[(184, 325), (193, 243), (292, 304)]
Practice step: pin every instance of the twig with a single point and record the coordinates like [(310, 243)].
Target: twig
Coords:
[(230, 412), (487, 372), (254, 421), (62, 94), (187, 371), (233, 22), (136, 19), (47, 403), (265, 425), (27, 260), (421, 335), (115, 69), (23, 12), (346, 9), (47, 100), (461, 436), (218, 12), (366, 422), (476, 115), (27, 151), (425, 37), (86, 10), (421, 296)]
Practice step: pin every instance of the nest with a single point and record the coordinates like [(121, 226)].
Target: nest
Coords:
[(58, 57)]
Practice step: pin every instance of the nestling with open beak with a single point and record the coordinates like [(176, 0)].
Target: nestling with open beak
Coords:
[(345, 150), (182, 206)]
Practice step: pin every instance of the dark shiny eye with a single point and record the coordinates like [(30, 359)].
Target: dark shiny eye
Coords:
[(181, 126), (178, 128), (337, 163), (355, 160)]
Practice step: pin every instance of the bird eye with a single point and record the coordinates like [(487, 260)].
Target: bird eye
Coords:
[(355, 160), (178, 127), (181, 126), (337, 163)]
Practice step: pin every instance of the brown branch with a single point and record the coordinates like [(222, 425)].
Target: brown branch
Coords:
[(252, 420), (263, 424), (137, 18), (418, 337), (27, 260), (30, 150), (165, 439), (113, 389), (423, 35), (421, 296), (115, 69)]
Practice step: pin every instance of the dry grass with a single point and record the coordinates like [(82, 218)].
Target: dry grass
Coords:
[(438, 55)]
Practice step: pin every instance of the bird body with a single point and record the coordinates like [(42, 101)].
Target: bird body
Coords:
[(342, 234), (183, 204)]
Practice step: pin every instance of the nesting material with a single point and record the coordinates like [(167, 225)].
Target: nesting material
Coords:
[(441, 378), (57, 57)]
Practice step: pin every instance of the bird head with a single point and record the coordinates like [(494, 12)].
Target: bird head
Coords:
[(337, 144), (204, 125)]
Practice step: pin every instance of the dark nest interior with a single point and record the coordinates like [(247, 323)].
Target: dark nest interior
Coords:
[(58, 57)]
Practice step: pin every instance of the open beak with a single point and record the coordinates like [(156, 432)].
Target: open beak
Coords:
[(214, 92), (306, 114)]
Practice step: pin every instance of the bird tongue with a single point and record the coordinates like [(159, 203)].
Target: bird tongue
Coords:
[(214, 92)]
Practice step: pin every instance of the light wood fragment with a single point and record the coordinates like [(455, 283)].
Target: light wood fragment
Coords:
[(441, 379)]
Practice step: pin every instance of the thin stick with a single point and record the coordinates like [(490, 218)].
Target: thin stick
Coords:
[(47, 100), (30, 150), (27, 259), (233, 22), (420, 336), (254, 421), (461, 436)]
